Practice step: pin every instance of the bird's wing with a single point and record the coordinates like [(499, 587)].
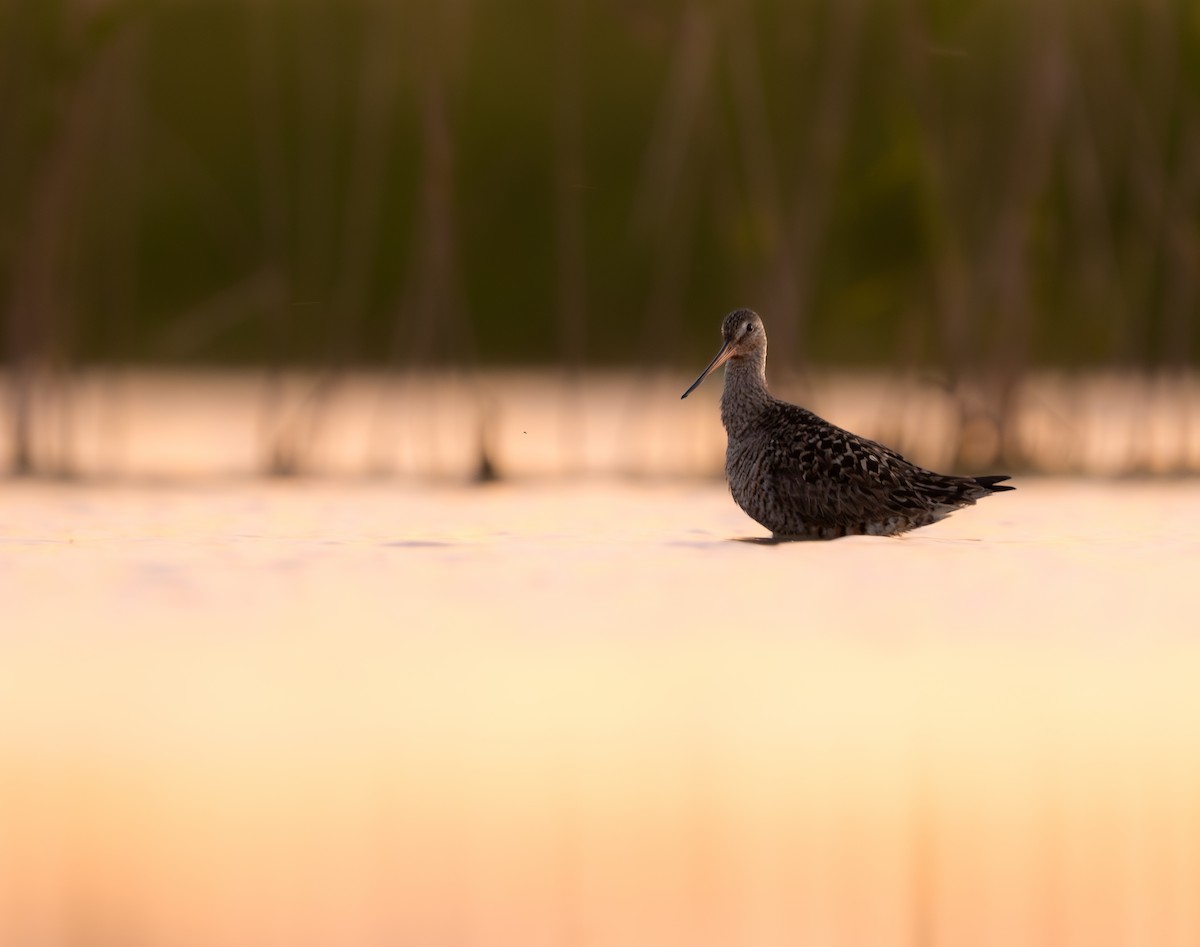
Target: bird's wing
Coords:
[(836, 477)]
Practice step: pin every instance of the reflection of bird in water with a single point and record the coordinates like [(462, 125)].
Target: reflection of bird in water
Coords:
[(804, 478)]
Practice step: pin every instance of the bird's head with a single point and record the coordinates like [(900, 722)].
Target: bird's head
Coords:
[(743, 334)]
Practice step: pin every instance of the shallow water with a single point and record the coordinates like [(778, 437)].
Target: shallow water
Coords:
[(332, 713), (131, 423)]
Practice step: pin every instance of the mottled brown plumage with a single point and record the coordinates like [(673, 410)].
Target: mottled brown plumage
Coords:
[(804, 478)]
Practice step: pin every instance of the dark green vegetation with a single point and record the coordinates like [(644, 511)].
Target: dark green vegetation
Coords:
[(955, 185)]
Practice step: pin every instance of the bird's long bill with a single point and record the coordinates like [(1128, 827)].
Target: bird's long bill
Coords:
[(718, 360)]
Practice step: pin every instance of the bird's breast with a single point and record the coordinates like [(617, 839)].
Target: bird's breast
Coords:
[(749, 475)]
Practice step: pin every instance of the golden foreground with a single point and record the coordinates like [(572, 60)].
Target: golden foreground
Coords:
[(368, 714)]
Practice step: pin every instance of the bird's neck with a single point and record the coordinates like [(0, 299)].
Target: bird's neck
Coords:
[(745, 392)]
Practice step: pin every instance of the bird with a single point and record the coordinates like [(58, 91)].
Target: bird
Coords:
[(802, 477)]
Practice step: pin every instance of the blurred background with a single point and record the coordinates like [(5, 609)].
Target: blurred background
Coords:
[(282, 280), (991, 206)]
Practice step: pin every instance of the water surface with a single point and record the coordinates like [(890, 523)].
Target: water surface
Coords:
[(319, 713)]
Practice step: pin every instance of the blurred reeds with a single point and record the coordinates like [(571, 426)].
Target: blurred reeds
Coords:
[(964, 192)]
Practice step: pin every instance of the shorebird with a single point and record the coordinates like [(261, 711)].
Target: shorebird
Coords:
[(804, 478)]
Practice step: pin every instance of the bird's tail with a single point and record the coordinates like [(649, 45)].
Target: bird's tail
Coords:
[(990, 483)]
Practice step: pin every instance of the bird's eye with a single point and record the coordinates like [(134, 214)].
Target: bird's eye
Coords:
[(749, 328)]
